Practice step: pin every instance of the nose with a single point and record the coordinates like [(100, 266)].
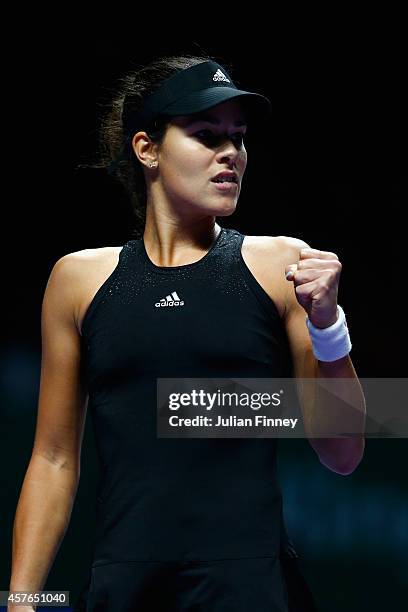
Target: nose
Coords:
[(227, 151)]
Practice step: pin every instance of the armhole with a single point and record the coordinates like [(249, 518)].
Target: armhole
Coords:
[(261, 295), (101, 292), (268, 305)]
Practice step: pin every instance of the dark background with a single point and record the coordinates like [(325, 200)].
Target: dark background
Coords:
[(329, 169)]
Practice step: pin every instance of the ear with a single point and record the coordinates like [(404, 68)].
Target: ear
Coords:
[(144, 148)]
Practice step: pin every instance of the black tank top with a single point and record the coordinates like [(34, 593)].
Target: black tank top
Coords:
[(162, 499)]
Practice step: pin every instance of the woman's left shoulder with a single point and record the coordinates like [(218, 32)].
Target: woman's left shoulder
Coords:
[(292, 242), (281, 247), (266, 257)]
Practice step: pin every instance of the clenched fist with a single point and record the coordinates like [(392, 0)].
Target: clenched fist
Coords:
[(316, 279)]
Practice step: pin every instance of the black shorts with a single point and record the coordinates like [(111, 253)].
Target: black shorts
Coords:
[(264, 584)]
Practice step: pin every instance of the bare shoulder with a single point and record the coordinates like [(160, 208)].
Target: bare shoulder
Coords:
[(91, 254), (279, 244), (85, 271), (78, 265), (267, 257)]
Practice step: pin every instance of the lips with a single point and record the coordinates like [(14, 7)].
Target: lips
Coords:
[(227, 187), (225, 174)]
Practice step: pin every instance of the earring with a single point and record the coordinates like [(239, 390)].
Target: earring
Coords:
[(153, 164)]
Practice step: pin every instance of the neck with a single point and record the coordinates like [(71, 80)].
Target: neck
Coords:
[(170, 241)]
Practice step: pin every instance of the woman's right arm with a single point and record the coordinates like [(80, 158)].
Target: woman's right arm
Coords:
[(50, 484)]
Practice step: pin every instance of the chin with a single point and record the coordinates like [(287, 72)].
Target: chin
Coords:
[(225, 209), (225, 212)]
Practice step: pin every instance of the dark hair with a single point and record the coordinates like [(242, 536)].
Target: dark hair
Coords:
[(114, 155)]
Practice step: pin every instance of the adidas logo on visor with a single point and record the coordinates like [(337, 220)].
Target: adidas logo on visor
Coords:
[(220, 76), (170, 300)]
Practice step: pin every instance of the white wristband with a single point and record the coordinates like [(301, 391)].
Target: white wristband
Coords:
[(333, 342)]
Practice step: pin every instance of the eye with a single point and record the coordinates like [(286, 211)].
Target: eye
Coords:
[(205, 134), (209, 136), (238, 137)]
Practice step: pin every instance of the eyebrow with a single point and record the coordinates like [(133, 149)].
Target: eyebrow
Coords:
[(211, 119)]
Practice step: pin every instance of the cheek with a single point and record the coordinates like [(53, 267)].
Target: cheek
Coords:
[(189, 162), (243, 159)]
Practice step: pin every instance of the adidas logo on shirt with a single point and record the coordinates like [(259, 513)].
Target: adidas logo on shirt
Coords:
[(170, 300), (220, 76)]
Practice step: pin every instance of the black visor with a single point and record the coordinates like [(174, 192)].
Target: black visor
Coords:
[(190, 91)]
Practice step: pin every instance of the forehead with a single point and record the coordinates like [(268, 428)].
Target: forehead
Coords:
[(230, 111)]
